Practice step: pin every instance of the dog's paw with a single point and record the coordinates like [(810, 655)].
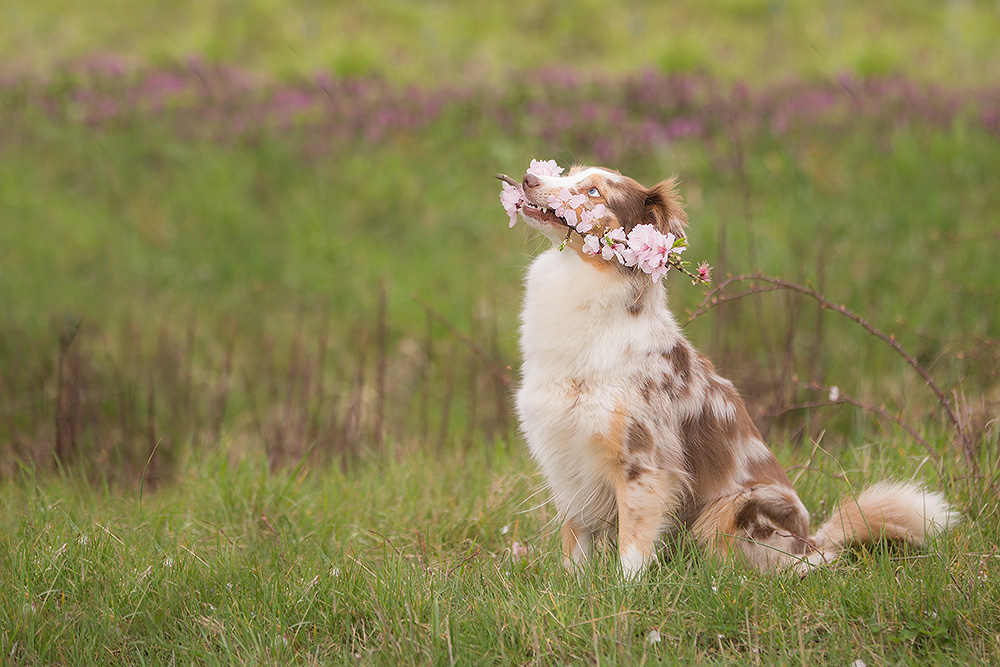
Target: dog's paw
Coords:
[(634, 563), (813, 562)]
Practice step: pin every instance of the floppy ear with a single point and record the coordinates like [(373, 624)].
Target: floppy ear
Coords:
[(665, 208)]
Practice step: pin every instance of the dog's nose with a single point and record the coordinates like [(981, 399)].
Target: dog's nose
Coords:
[(531, 181)]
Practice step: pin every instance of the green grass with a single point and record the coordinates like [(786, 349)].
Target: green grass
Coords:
[(409, 562), (748, 39)]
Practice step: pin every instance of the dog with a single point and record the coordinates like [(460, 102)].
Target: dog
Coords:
[(633, 428)]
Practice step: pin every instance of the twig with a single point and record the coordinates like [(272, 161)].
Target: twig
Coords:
[(465, 560), (380, 373), (142, 480), (496, 370), (849, 400), (712, 299), (449, 391), (387, 542)]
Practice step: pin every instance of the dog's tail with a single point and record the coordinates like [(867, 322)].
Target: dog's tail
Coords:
[(884, 511)]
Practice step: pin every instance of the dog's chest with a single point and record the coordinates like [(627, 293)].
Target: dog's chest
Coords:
[(584, 355)]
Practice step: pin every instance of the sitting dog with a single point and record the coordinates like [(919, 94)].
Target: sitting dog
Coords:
[(632, 427)]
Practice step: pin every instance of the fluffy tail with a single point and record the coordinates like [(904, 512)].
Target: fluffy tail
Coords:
[(885, 511)]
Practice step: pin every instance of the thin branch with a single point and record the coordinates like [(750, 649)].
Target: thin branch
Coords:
[(712, 299), (844, 399), (496, 370)]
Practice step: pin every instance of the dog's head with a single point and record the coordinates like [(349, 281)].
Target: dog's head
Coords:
[(627, 203)]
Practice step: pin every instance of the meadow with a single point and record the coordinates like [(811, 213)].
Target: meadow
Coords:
[(258, 335)]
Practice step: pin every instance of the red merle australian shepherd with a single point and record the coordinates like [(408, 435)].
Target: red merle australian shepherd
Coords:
[(634, 429)]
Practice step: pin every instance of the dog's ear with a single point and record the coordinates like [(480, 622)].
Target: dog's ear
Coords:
[(665, 208)]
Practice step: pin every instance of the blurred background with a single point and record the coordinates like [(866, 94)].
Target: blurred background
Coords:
[(273, 226)]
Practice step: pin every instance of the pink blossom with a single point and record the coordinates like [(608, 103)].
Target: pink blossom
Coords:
[(592, 245), (520, 551), (565, 205), (544, 168), (651, 248), (589, 218), (511, 199), (705, 272), (659, 270), (615, 246), (647, 244)]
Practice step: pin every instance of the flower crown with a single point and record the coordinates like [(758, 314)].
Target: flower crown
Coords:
[(645, 247)]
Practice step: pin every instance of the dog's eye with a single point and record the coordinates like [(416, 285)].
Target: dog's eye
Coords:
[(593, 192)]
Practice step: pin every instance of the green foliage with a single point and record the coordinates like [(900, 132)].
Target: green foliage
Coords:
[(449, 40), (410, 562), (684, 54)]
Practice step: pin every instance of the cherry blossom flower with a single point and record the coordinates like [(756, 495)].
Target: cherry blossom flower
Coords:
[(589, 218), (592, 245), (651, 248), (544, 168), (705, 272), (511, 198), (616, 247), (658, 269), (565, 205), (519, 551)]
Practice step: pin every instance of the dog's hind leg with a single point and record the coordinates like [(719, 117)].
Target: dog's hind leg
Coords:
[(767, 522)]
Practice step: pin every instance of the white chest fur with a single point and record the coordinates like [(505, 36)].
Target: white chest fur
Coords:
[(583, 354)]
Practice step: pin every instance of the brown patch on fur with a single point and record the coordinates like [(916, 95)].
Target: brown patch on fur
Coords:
[(669, 386), (767, 470), (627, 202), (665, 209), (765, 522), (709, 442), (640, 440), (783, 512), (646, 388), (679, 357), (612, 445), (660, 205), (761, 531), (637, 302), (633, 472), (708, 452)]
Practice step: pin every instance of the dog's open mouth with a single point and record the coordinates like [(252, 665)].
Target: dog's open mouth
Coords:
[(532, 210), (542, 214)]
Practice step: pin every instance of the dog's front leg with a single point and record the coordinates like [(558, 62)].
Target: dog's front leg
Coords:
[(577, 541), (645, 500)]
